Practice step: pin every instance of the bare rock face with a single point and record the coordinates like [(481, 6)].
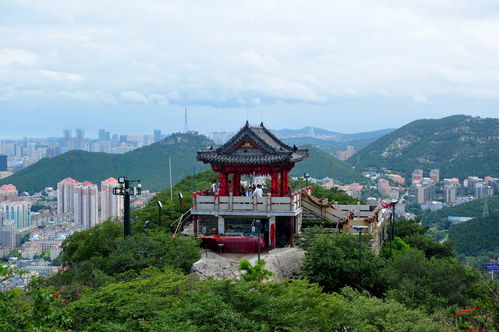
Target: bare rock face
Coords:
[(282, 262), (216, 266)]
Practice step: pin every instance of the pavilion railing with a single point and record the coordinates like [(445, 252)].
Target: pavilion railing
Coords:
[(243, 203)]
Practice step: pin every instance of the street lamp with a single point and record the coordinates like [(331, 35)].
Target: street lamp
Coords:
[(124, 189), (359, 229), (393, 202), (306, 176), (160, 206)]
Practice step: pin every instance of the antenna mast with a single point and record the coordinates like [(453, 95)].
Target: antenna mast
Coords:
[(185, 121), (485, 212)]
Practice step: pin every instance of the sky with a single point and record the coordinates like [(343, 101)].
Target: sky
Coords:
[(348, 66)]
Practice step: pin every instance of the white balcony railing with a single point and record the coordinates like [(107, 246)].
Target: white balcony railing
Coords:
[(246, 204)]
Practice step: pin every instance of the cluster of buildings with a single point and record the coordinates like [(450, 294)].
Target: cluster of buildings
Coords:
[(31, 268), (15, 216), (432, 192), (81, 199), (17, 154)]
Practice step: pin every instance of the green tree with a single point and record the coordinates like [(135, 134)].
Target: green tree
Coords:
[(333, 262), (398, 246), (430, 283), (254, 273), (430, 246), (94, 257), (168, 301)]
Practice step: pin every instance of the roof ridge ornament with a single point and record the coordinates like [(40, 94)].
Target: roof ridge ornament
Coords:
[(247, 124)]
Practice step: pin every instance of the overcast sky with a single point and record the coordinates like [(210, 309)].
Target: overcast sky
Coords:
[(348, 66)]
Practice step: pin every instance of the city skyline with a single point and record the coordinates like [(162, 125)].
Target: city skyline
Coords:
[(344, 66)]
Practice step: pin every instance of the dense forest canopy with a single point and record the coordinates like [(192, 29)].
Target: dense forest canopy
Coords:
[(143, 282)]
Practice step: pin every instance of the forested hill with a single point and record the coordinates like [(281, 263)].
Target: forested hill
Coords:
[(320, 164), (458, 145), (473, 209), (149, 163)]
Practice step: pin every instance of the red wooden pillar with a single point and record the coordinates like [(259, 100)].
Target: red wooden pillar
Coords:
[(223, 182), (195, 225), (236, 184), (274, 184), (284, 183), (292, 232)]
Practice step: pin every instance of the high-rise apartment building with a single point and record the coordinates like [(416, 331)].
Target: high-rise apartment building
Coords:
[(79, 139), (470, 183), (384, 188), (65, 192), (104, 135), (425, 191), (157, 135), (3, 163), (450, 192), (417, 176), (111, 205), (68, 139), (19, 213), (86, 204), (7, 234), (482, 189), (435, 175)]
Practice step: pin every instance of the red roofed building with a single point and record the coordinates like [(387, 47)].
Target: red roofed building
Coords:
[(8, 193)]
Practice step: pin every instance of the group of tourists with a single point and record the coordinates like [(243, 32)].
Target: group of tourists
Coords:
[(253, 190)]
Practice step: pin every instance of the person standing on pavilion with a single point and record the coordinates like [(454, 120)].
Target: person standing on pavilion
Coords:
[(214, 187), (258, 191)]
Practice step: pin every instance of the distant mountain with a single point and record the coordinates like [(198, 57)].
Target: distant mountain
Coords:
[(307, 131), (458, 145), (327, 134), (329, 141), (328, 146), (149, 163), (320, 164)]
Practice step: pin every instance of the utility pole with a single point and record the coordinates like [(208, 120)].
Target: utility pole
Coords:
[(359, 229), (171, 183), (485, 213), (393, 202), (126, 191)]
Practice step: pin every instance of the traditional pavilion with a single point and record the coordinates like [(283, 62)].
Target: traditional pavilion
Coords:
[(230, 218)]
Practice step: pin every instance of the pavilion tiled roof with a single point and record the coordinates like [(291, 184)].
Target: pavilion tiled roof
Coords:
[(271, 150)]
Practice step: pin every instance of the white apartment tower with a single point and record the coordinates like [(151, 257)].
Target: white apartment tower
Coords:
[(80, 199), (111, 205), (86, 204), (65, 192)]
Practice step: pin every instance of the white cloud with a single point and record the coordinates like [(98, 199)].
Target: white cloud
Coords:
[(133, 97), (16, 56), (61, 76), (420, 99), (220, 53)]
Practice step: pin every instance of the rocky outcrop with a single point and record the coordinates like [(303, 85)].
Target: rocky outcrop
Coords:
[(282, 262)]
